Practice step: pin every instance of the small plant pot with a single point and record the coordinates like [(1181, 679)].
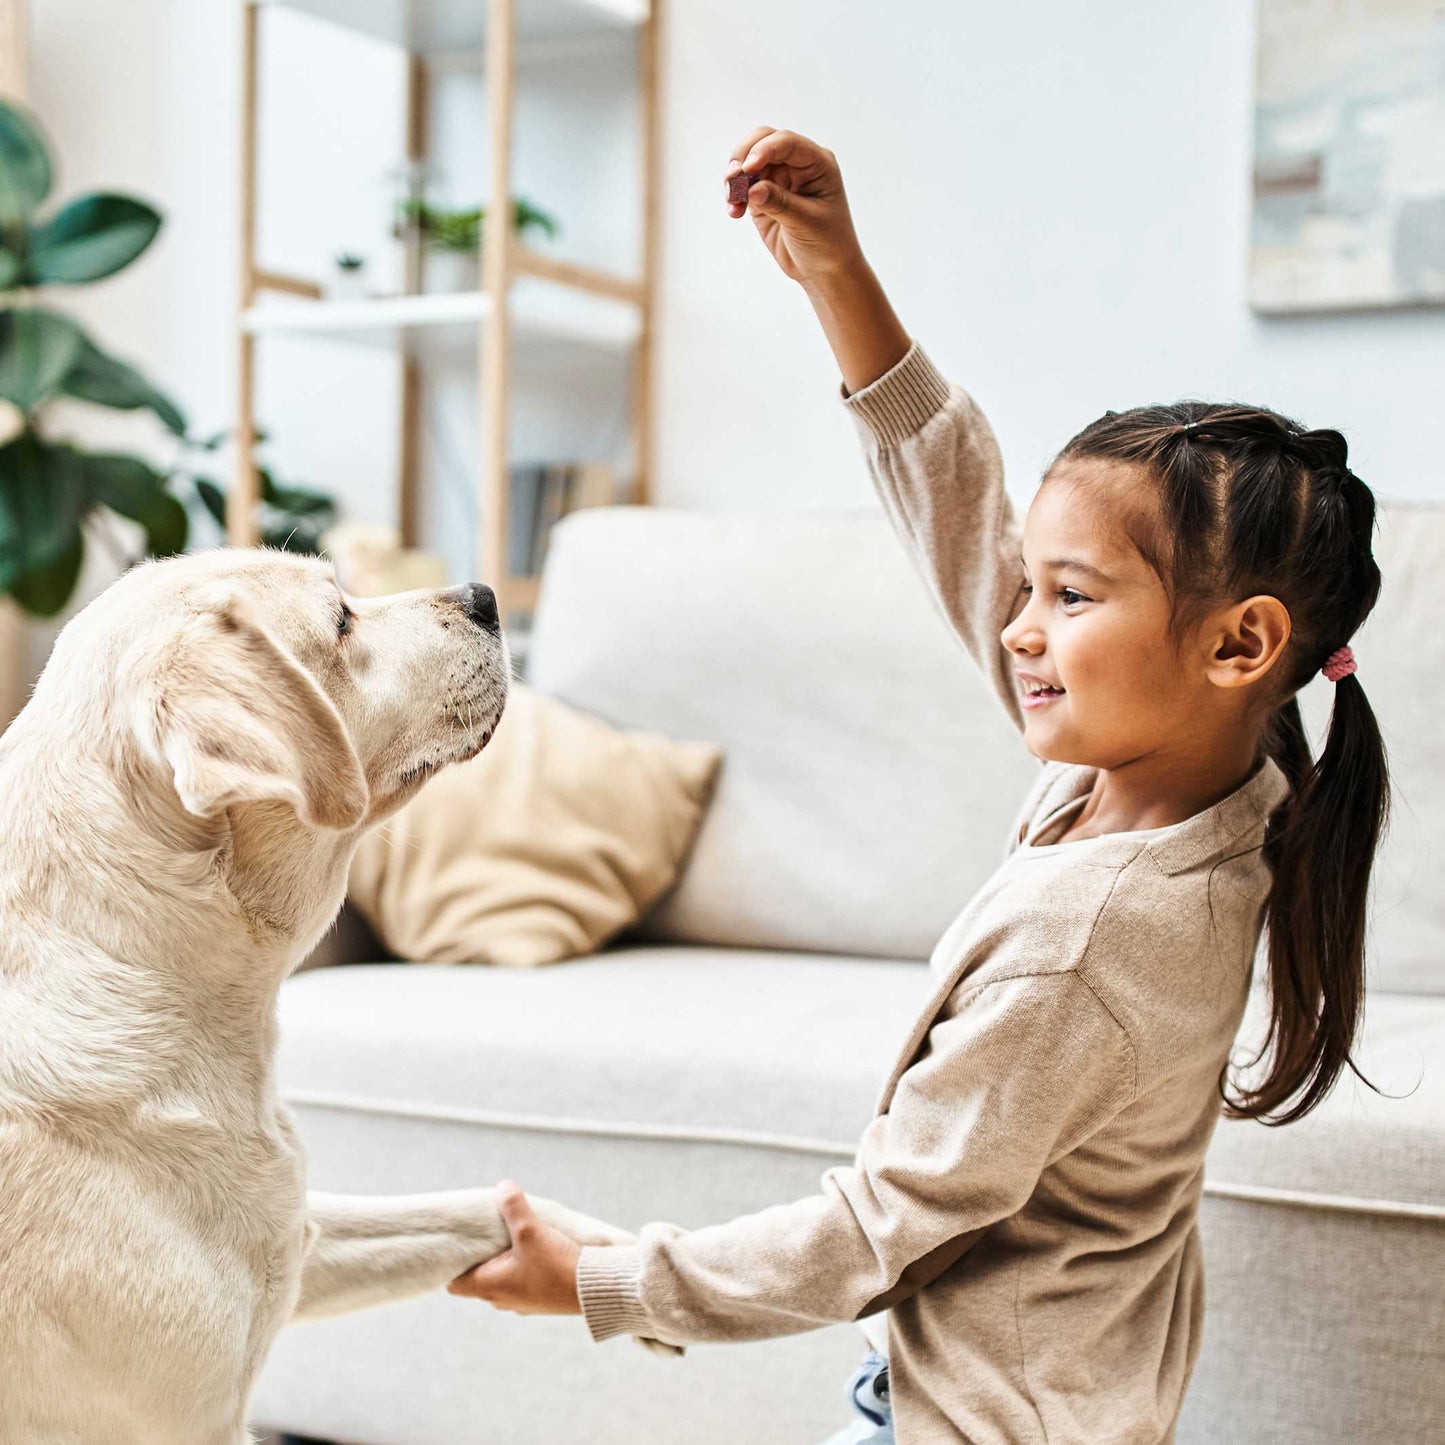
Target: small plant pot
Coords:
[(348, 283), (450, 271)]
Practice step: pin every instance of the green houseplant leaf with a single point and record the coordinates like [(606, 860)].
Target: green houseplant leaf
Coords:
[(462, 230), (43, 591), (24, 166), (128, 486), (526, 216), (291, 519), (37, 350), (289, 533), (43, 497), (108, 381), (92, 237), (301, 503), (12, 541), (213, 499), (50, 490), (296, 500)]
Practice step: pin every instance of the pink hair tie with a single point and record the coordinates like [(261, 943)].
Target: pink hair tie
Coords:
[(1340, 663)]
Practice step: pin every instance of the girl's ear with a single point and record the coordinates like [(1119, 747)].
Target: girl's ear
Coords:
[(1249, 638), (238, 720)]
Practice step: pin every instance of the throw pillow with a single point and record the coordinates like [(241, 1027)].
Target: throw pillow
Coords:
[(563, 832)]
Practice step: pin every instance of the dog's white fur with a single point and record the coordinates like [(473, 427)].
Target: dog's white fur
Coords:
[(179, 802)]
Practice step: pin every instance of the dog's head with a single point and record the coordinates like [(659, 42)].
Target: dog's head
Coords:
[(250, 677)]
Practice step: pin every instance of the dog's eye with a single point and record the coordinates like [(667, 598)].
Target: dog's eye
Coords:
[(345, 622)]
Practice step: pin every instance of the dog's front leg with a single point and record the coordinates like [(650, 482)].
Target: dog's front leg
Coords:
[(363, 1251)]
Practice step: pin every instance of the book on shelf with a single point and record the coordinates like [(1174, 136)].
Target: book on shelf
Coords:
[(542, 493)]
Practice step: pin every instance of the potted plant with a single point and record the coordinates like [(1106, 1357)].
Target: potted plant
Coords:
[(349, 283), (290, 518), (453, 239), (56, 496)]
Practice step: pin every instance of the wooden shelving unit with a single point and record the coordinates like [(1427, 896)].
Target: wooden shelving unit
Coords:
[(448, 318), (525, 298)]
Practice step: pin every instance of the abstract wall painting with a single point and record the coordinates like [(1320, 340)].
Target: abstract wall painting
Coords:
[(1349, 155)]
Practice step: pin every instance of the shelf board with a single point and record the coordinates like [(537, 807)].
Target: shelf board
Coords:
[(438, 26), (540, 312)]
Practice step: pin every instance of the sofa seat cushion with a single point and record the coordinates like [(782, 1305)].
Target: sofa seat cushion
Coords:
[(781, 1050), (1358, 1148), (704, 1041)]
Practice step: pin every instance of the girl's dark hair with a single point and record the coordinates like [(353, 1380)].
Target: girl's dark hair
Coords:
[(1251, 503)]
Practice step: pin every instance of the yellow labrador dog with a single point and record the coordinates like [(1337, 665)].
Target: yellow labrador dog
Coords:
[(179, 802)]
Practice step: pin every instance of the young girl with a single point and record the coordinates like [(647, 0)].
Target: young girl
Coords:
[(1024, 1204)]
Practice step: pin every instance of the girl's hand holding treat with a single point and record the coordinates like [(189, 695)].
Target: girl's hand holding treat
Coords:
[(797, 203)]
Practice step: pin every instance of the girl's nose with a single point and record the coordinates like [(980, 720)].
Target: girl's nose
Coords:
[(1021, 633)]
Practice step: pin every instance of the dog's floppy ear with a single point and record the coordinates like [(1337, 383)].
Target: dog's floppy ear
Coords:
[(239, 720)]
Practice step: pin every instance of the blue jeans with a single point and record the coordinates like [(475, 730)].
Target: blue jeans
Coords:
[(867, 1392)]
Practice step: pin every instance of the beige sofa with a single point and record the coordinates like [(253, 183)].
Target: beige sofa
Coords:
[(723, 1058)]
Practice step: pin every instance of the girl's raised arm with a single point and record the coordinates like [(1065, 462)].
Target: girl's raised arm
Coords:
[(933, 458), (794, 193), (931, 453)]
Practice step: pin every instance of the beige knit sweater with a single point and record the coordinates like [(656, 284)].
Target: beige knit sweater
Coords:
[(1024, 1201)]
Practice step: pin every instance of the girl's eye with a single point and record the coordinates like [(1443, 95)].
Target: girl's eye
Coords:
[(1064, 592)]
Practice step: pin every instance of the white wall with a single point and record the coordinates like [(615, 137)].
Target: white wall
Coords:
[(140, 97), (1056, 197)]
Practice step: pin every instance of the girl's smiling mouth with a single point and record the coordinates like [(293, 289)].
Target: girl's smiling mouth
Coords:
[(1037, 692)]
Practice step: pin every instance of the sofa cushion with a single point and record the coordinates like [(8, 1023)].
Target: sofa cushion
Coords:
[(546, 846), (1357, 1145), (771, 1048), (702, 1040), (870, 779)]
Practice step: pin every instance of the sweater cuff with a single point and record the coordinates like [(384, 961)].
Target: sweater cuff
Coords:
[(609, 1277), (893, 408)]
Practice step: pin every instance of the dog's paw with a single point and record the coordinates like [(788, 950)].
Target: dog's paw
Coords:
[(581, 1228)]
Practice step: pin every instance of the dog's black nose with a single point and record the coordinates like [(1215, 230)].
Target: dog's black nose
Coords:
[(480, 604)]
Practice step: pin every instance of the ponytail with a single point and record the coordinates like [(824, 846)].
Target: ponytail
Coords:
[(1320, 845)]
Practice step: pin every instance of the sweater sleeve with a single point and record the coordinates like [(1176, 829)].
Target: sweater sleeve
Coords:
[(1014, 1076), (936, 465)]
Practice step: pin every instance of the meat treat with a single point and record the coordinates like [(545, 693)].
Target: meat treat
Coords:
[(739, 186)]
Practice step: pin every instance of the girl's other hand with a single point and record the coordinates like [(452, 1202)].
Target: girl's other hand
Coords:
[(797, 205)]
